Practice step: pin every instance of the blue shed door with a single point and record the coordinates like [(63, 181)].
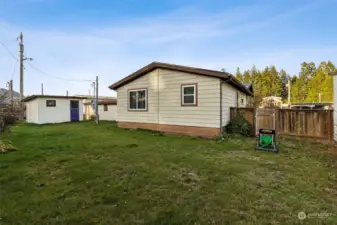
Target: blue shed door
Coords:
[(74, 110)]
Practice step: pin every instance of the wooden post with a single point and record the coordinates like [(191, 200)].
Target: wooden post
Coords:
[(11, 94), (330, 126), (21, 76), (96, 108), (254, 122)]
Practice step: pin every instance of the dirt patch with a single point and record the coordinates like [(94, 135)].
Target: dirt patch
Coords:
[(188, 178)]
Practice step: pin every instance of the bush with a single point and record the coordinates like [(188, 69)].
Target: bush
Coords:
[(239, 125), (10, 120)]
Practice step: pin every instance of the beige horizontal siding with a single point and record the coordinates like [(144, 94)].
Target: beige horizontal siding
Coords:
[(148, 81), (164, 107), (206, 114), (229, 99)]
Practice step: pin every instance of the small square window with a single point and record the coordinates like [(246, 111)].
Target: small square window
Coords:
[(105, 107), (189, 94), (51, 103)]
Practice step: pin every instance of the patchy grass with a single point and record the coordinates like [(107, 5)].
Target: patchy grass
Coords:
[(84, 173)]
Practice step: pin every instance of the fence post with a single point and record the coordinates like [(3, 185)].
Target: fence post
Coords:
[(330, 125), (254, 122)]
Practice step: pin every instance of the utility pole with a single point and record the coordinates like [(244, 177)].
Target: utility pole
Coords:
[(96, 105), (22, 58), (21, 67), (10, 93), (67, 93), (41, 88), (22, 114), (93, 97), (289, 92)]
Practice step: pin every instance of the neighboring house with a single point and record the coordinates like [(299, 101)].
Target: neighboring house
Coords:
[(178, 99), (271, 102), (43, 109), (107, 109), (88, 104), (334, 74)]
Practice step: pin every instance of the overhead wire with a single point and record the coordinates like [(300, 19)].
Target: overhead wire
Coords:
[(60, 78), (12, 55), (16, 63), (8, 51)]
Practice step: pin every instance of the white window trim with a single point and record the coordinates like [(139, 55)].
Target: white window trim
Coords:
[(194, 94), (136, 90)]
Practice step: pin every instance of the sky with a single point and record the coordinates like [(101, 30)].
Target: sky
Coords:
[(78, 40)]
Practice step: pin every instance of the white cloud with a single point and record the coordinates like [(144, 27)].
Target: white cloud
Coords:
[(114, 51)]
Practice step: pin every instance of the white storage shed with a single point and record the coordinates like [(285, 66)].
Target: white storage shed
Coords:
[(42, 109)]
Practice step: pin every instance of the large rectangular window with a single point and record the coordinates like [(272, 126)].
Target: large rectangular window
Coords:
[(137, 99), (51, 103), (189, 94)]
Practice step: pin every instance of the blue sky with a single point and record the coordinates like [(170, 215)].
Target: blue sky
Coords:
[(111, 39)]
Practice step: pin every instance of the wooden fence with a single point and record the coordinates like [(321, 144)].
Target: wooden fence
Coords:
[(294, 122)]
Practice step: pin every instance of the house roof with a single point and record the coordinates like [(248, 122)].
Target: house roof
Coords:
[(32, 97), (204, 72), (99, 97), (333, 73), (248, 86), (103, 102)]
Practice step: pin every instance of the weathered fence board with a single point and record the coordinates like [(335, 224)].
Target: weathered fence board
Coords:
[(294, 122)]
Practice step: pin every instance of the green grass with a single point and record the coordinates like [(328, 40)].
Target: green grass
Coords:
[(83, 173)]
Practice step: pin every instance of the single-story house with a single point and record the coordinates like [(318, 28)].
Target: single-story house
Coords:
[(271, 102), (334, 74), (43, 109), (107, 109), (178, 99)]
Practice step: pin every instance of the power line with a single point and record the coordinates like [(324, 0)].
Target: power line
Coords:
[(8, 51), (60, 78), (16, 63)]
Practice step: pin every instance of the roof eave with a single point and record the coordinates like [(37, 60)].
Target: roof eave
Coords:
[(157, 65)]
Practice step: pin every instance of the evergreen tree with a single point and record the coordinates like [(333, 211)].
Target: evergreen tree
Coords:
[(310, 85), (284, 81), (246, 77), (276, 89), (238, 74)]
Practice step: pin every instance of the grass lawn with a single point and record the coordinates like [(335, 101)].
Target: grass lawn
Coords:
[(83, 173)]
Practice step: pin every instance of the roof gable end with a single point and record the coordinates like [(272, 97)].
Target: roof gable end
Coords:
[(199, 71)]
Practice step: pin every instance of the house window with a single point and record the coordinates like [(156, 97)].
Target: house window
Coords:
[(51, 103), (105, 107), (242, 101), (138, 99), (189, 94)]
